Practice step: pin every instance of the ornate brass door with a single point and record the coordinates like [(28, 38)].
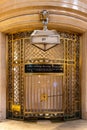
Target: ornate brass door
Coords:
[(54, 94)]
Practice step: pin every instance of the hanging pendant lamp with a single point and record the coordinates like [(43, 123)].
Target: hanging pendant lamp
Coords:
[(45, 39)]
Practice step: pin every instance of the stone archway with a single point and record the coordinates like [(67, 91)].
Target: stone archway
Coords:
[(20, 16)]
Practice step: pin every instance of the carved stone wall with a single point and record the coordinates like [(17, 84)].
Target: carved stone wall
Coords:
[(64, 15)]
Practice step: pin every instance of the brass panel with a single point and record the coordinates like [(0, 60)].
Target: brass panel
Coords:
[(16, 108)]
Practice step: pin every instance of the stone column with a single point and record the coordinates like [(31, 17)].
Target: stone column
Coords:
[(84, 76), (2, 76)]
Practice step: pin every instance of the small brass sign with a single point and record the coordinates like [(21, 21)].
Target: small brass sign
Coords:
[(43, 97), (16, 108)]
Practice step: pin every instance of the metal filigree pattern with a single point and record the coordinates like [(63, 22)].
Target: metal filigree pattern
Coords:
[(16, 84), (21, 85), (10, 89), (32, 52), (16, 51)]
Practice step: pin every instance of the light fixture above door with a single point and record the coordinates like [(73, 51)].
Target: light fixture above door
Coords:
[(45, 39)]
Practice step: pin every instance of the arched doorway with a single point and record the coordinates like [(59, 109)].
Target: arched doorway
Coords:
[(24, 15)]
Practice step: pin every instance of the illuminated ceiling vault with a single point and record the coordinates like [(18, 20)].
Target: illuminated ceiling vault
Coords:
[(21, 15)]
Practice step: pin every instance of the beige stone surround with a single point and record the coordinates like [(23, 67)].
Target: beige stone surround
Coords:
[(21, 15), (2, 76)]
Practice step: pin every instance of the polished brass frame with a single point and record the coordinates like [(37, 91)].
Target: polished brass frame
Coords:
[(71, 80)]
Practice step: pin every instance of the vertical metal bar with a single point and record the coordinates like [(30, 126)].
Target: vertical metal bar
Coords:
[(56, 91), (26, 93), (67, 75), (42, 92), (34, 106), (33, 83), (23, 82), (31, 92), (56, 94), (48, 85), (53, 92), (37, 95), (38, 88), (50, 93), (24, 110), (62, 93), (24, 87), (45, 102), (46, 88), (12, 75), (64, 80), (52, 108), (20, 77), (47, 92), (34, 94)]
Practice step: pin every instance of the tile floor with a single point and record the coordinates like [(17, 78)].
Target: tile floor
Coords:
[(43, 125)]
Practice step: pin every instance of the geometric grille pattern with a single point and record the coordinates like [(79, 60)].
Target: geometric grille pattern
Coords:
[(16, 51), (16, 84), (71, 50), (71, 83), (32, 52), (36, 90), (20, 52), (10, 89)]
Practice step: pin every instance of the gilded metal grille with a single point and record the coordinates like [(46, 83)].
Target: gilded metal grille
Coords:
[(10, 89), (32, 52), (44, 93), (71, 51), (16, 51), (70, 88), (16, 84), (26, 94)]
